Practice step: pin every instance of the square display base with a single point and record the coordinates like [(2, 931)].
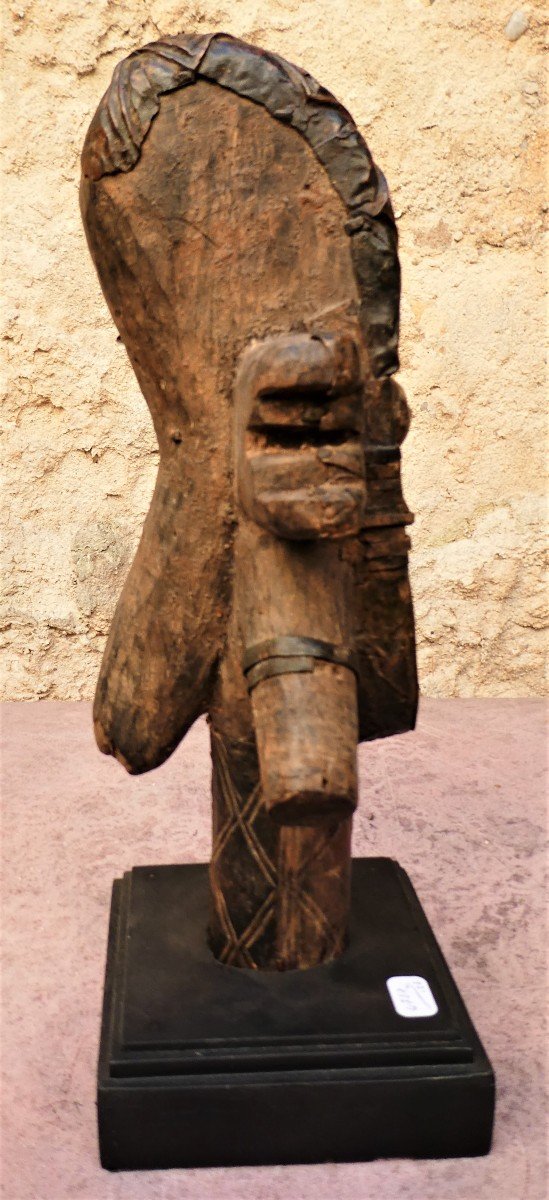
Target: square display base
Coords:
[(209, 1065)]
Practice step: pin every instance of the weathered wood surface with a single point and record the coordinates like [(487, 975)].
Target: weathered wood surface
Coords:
[(227, 228)]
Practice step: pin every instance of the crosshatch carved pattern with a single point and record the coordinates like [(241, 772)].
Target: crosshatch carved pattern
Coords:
[(243, 922), (278, 911)]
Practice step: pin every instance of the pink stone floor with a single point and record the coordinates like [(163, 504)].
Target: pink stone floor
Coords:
[(460, 803)]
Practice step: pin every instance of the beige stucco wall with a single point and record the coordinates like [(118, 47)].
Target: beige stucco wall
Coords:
[(452, 112)]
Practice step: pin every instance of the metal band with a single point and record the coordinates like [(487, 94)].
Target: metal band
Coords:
[(278, 666), (292, 655)]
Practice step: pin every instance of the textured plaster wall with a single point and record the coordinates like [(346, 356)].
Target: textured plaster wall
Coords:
[(452, 111)]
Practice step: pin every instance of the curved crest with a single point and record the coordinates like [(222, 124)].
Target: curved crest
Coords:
[(129, 106)]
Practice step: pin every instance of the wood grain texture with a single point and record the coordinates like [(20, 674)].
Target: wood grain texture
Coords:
[(123, 119), (203, 248)]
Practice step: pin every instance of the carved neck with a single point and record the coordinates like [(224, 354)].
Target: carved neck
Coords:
[(279, 894)]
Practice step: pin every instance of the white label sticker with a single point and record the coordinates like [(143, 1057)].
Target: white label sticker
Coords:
[(411, 996)]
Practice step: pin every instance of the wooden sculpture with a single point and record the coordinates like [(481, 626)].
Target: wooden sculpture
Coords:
[(246, 246)]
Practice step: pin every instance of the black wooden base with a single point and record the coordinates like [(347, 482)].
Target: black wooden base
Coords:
[(208, 1065)]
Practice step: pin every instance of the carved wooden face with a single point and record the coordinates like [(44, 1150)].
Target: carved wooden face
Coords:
[(228, 231)]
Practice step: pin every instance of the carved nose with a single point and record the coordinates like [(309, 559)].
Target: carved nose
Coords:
[(299, 452)]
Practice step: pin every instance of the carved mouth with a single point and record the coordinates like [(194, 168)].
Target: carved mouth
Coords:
[(302, 466), (308, 486)]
